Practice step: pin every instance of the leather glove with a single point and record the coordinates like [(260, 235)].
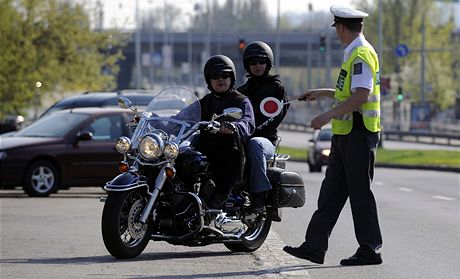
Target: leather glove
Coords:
[(227, 127)]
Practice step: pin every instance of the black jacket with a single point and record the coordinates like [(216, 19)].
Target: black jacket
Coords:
[(225, 152), (257, 89)]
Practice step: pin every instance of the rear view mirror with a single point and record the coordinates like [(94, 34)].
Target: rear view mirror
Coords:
[(124, 102), (235, 113), (86, 135)]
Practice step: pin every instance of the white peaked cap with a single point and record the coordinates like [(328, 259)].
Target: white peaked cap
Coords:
[(344, 12)]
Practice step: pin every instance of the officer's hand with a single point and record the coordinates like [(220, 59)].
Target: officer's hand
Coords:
[(320, 120), (309, 95), (227, 128)]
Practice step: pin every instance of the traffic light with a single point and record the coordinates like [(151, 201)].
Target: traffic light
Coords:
[(322, 43), (400, 96), (241, 45)]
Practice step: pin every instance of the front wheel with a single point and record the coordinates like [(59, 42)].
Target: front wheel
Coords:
[(124, 236), (314, 167), (254, 237)]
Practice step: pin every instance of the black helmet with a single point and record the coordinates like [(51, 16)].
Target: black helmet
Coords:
[(260, 50), (217, 64)]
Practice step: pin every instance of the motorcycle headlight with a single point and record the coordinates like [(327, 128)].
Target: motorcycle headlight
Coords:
[(123, 145), (150, 147), (171, 150)]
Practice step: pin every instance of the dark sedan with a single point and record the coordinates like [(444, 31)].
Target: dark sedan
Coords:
[(319, 148), (139, 99), (66, 148)]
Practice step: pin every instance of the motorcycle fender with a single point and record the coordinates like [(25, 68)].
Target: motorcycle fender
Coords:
[(125, 182)]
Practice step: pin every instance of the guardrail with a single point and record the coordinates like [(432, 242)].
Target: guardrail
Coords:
[(406, 136), (424, 137)]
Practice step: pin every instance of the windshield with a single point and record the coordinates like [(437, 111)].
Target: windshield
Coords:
[(171, 113), (55, 125), (325, 135)]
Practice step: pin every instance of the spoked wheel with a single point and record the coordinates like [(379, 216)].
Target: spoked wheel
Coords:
[(124, 235), (254, 237)]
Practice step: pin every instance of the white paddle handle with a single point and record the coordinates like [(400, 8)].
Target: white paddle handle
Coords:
[(293, 101)]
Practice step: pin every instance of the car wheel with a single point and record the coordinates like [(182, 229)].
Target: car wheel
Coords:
[(314, 167), (41, 179)]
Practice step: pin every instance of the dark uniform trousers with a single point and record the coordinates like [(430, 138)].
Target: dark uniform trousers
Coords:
[(349, 173)]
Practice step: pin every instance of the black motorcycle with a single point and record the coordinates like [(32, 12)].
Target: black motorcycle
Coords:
[(160, 194)]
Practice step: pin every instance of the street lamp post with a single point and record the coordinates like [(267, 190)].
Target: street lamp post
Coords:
[(38, 84), (278, 26), (138, 47)]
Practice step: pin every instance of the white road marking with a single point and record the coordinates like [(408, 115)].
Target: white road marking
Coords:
[(443, 198), (405, 189)]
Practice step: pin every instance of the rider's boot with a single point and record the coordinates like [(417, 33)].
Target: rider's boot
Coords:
[(258, 202), (217, 200)]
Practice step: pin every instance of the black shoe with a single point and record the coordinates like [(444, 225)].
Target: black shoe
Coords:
[(305, 253), (362, 258)]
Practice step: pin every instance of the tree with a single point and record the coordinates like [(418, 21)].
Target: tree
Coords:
[(51, 41), (402, 23)]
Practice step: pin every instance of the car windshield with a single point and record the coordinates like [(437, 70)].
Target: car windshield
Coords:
[(54, 125), (173, 112), (325, 135)]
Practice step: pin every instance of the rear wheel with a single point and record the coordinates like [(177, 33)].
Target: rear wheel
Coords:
[(124, 235), (42, 179), (254, 237)]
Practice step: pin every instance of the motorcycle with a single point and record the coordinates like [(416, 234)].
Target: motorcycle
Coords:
[(161, 192)]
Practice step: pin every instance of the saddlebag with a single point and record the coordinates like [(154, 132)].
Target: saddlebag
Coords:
[(288, 188)]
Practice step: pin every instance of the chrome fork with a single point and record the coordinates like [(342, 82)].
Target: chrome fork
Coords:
[(159, 182)]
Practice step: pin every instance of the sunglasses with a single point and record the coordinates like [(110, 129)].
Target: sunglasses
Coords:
[(260, 61), (220, 76)]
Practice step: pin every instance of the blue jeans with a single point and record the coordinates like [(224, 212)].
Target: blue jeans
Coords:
[(259, 150)]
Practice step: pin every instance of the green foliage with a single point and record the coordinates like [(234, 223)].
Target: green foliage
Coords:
[(51, 41), (402, 23)]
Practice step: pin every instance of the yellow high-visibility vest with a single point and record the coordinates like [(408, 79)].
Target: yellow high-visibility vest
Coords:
[(370, 110)]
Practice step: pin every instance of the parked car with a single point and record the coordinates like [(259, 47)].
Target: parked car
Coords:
[(11, 123), (319, 148), (73, 147), (101, 99)]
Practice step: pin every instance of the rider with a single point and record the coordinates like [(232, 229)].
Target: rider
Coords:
[(224, 149), (258, 60)]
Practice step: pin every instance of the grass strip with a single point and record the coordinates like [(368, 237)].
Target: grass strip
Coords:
[(448, 158)]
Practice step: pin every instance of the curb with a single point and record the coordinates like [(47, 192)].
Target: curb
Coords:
[(415, 167), (276, 263)]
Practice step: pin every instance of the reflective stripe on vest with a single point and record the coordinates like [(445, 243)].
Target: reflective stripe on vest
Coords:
[(370, 110)]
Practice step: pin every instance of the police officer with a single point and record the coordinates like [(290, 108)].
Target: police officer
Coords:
[(224, 149), (260, 86), (355, 125)]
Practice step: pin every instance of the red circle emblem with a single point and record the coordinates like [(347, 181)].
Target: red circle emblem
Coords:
[(270, 106)]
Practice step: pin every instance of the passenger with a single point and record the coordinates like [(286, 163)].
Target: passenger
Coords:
[(258, 60)]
